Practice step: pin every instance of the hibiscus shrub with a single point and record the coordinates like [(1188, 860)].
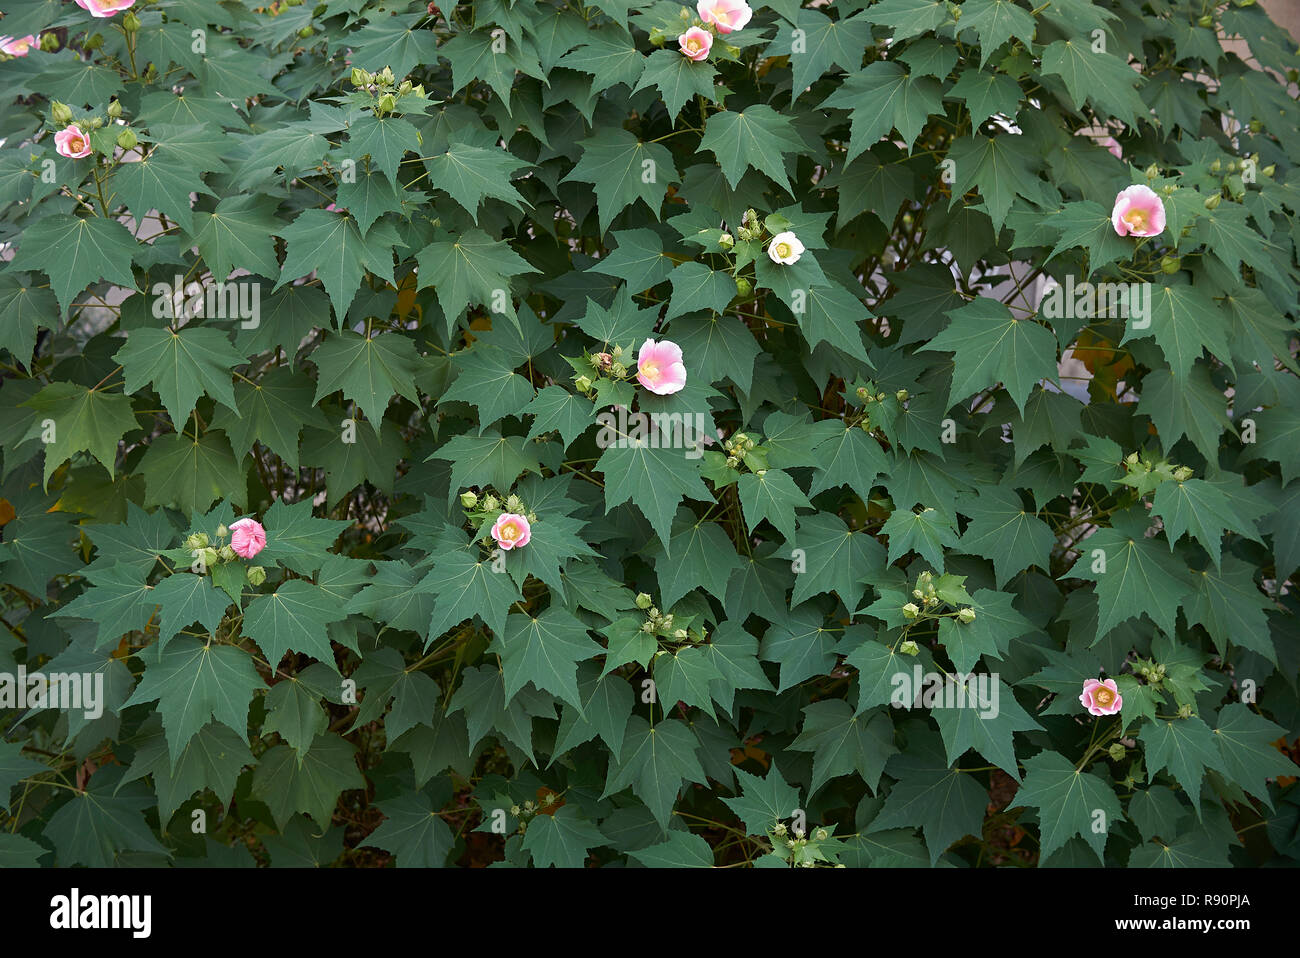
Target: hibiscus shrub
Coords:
[(621, 433)]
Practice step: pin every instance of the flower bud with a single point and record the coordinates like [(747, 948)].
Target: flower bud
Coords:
[(1170, 264), (1182, 473), (583, 383), (491, 502), (863, 394), (901, 395), (1152, 171), (679, 634), (911, 611), (909, 648), (515, 810), (880, 397), (743, 286), (602, 360), (618, 370), (1184, 711), (647, 627), (211, 557), (469, 499), (256, 575), (127, 139), (130, 22), (60, 113), (779, 829), (726, 241), (643, 601), (386, 103), (306, 32), (1256, 126), (514, 503), (967, 615), (226, 553), (115, 109), (1212, 203), (1269, 170), (1206, 21), (1216, 166), (49, 42), (360, 78), (732, 462), (654, 612), (1116, 751)]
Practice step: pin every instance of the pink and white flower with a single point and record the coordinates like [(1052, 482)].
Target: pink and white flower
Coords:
[(1101, 698), (1138, 212), (72, 142), (104, 8), (659, 367), (695, 44), (247, 537), (785, 249), (17, 46), (727, 16), (511, 531)]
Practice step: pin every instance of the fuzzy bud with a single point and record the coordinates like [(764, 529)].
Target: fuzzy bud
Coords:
[(256, 575), (469, 499), (643, 601), (726, 241), (130, 22), (60, 113), (1170, 264), (911, 611), (127, 139), (583, 383), (909, 647), (1212, 203), (743, 286), (618, 370), (967, 615), (1116, 751)]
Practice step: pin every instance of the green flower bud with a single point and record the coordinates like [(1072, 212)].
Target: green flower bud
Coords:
[(306, 31), (779, 829), (514, 504), (618, 370), (726, 241), (127, 139), (49, 42), (654, 612), (1269, 170), (222, 531), (130, 22), (1116, 751), (1206, 21), (901, 395), (679, 635), (1170, 264), (491, 502), (360, 78), (863, 394), (386, 103), (909, 648), (647, 627), (643, 601), (1216, 166), (1256, 126), (60, 113), (469, 499), (743, 286), (1182, 473), (115, 109), (226, 553), (732, 462), (1184, 711), (515, 810), (583, 383), (211, 557), (911, 611), (256, 575), (966, 615), (1212, 203)]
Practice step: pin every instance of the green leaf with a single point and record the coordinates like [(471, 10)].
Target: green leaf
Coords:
[(991, 346), (194, 683), (624, 169), (1003, 531), (294, 616), (82, 419), (189, 474), (756, 138), (562, 839), (654, 763), (469, 174), (97, 825), (763, 801), (545, 650), (926, 533), (76, 252), (472, 268), (185, 599), (1208, 509), (1067, 800), (653, 479), (413, 832), (682, 850), (331, 245), (944, 802), (312, 784), (842, 742), (677, 78), (369, 371), (181, 366)]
